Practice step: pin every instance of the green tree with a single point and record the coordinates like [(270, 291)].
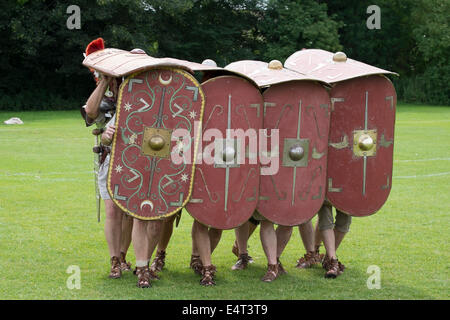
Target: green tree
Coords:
[(289, 26), (40, 58), (224, 31), (431, 33)]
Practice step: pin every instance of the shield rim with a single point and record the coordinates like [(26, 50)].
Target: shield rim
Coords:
[(196, 143)]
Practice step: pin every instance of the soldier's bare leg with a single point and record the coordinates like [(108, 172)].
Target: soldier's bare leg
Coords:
[(214, 238), (240, 246), (342, 226), (196, 262), (283, 235), (113, 235), (269, 243), (338, 237), (306, 231), (154, 229), (193, 235), (140, 242), (141, 250), (113, 227), (251, 228), (329, 241), (203, 243), (166, 233), (317, 236), (127, 229), (242, 234), (326, 225), (202, 240), (146, 235), (311, 241)]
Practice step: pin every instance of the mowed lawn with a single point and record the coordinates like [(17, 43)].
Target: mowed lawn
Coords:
[(48, 223)]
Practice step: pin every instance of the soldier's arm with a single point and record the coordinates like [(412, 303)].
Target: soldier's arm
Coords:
[(93, 103)]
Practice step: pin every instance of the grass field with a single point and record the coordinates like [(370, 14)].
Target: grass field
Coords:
[(48, 223)]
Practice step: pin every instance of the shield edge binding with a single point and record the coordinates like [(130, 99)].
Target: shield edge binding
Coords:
[(196, 143)]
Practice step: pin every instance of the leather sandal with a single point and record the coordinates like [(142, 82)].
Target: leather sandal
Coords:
[(333, 269), (115, 272), (326, 264), (124, 265), (143, 274), (308, 260), (159, 261), (208, 273), (281, 270), (271, 274), (242, 262), (196, 264), (235, 250)]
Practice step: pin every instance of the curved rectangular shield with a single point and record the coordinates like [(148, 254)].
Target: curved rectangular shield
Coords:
[(152, 164), (226, 182), (300, 111), (361, 144)]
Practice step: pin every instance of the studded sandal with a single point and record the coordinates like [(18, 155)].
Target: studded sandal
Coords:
[(143, 274), (208, 273)]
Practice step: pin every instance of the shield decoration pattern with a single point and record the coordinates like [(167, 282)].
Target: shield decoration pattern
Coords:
[(361, 144), (300, 110), (152, 164), (227, 179)]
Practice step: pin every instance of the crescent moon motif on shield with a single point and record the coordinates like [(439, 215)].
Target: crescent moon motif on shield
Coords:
[(147, 202), (165, 82)]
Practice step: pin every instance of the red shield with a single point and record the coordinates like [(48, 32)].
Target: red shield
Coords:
[(300, 111), (155, 123), (361, 144), (227, 180)]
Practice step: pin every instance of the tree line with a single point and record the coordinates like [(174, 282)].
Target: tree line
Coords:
[(40, 56)]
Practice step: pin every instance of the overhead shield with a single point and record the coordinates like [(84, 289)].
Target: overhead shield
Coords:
[(117, 63), (152, 159), (361, 144), (330, 67), (299, 110), (226, 182)]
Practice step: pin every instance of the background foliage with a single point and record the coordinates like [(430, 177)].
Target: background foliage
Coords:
[(40, 58)]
